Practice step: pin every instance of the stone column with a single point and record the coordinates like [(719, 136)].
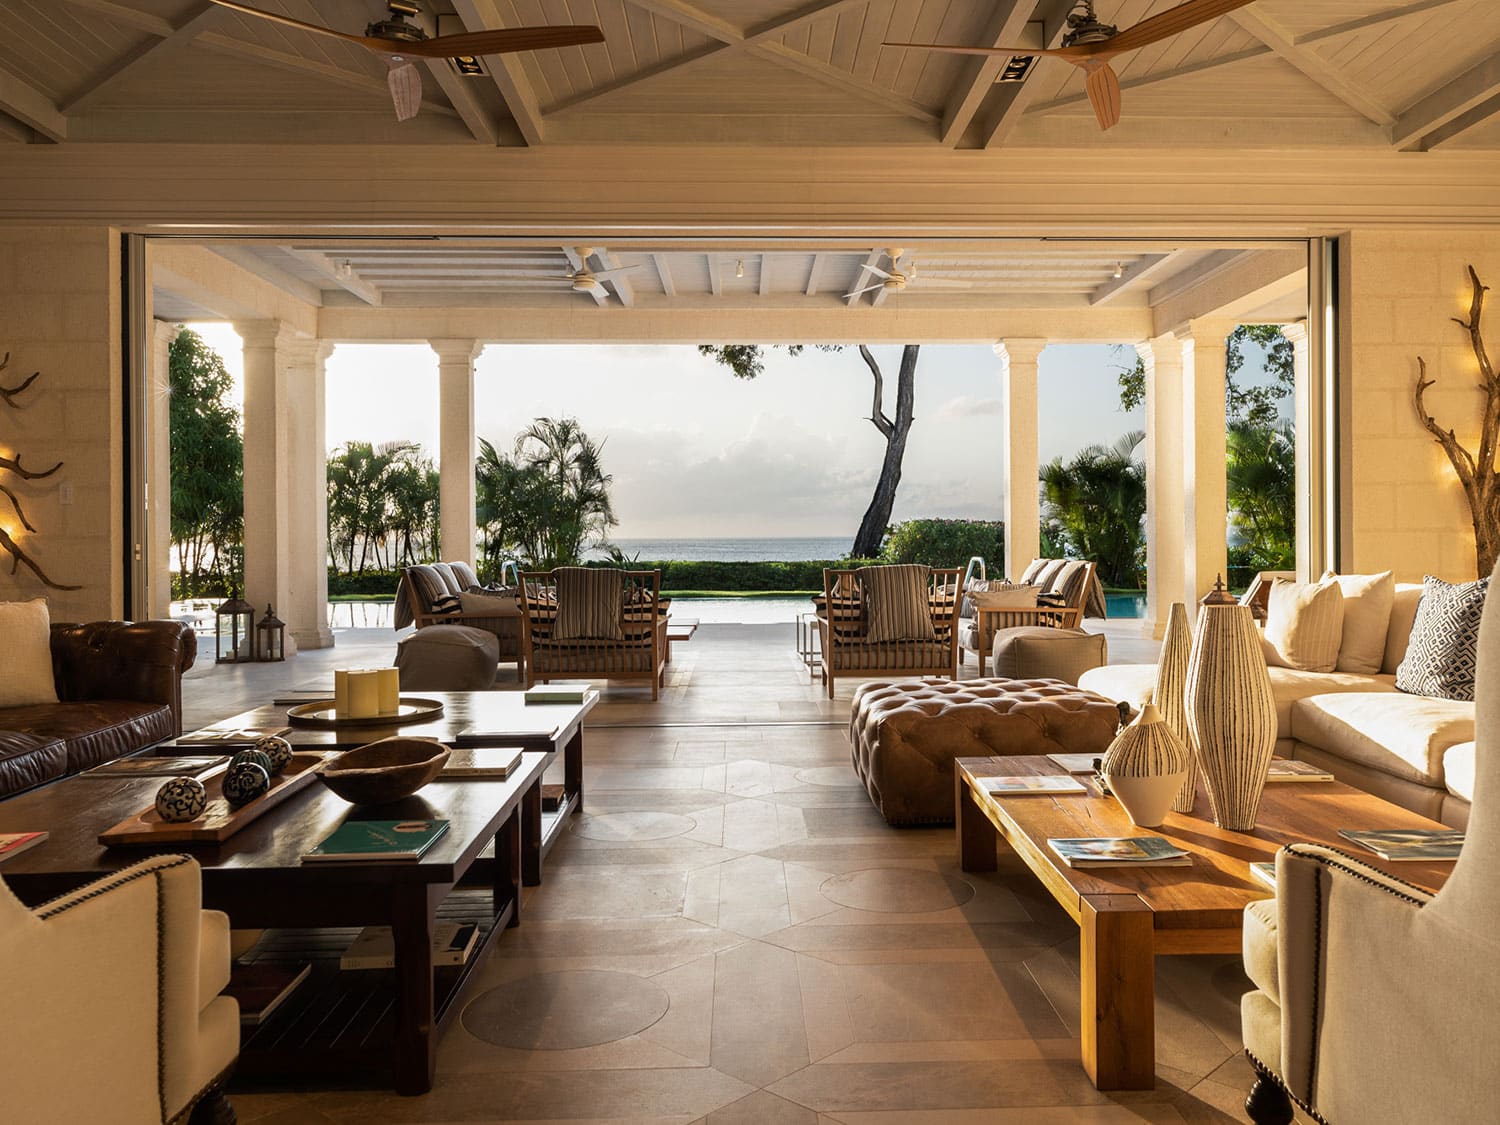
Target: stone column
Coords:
[(268, 480), (1307, 522), (306, 614), (158, 567), (1205, 492), (1165, 502), (1023, 509), (456, 446)]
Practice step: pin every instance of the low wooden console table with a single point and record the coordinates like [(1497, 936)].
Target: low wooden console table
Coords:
[(1128, 915), (366, 1021)]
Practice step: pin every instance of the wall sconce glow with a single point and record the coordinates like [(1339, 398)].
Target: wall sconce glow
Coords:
[(10, 535)]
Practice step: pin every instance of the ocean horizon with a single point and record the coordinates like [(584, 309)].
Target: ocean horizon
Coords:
[(734, 549)]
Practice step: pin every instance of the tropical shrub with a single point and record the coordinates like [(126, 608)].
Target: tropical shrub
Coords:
[(207, 458), (933, 542), (1262, 483), (1094, 506), (382, 506)]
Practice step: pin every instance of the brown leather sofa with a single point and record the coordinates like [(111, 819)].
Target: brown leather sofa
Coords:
[(119, 689)]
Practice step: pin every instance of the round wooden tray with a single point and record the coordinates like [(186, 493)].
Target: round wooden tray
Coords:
[(320, 713)]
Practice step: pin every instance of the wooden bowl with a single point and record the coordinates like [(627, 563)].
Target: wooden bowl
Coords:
[(384, 771)]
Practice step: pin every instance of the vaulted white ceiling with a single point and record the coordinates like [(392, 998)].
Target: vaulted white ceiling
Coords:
[(1370, 74)]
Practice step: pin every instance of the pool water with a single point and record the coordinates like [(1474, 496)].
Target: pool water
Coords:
[(1125, 605)]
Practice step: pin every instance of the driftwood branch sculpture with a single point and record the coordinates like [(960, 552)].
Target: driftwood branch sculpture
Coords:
[(12, 465), (1475, 470)]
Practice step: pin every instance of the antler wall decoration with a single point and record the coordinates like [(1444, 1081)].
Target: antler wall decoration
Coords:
[(12, 465), (1476, 471)]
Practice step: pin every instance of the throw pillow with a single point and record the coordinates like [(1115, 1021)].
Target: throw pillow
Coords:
[(26, 654), (486, 604), (589, 601), (1305, 623), (1368, 599), (1444, 643), (1033, 568), (896, 604)]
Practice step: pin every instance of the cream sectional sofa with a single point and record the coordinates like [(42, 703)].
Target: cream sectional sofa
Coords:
[(1413, 750)]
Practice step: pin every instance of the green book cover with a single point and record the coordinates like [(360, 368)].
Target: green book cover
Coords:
[(377, 839), (557, 693)]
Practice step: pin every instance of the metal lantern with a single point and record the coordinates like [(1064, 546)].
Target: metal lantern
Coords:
[(270, 637), (234, 625)]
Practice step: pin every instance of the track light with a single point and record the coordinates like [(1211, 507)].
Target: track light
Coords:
[(1119, 271)]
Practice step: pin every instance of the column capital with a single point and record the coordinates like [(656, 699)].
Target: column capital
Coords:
[(1296, 332), (1020, 349), (165, 331), (322, 349), (1210, 331), (266, 333), (456, 350)]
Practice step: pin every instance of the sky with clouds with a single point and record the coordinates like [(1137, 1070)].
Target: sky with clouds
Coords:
[(695, 452)]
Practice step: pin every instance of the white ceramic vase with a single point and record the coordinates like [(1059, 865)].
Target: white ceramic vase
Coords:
[(1144, 767), (1170, 696), (1231, 713)]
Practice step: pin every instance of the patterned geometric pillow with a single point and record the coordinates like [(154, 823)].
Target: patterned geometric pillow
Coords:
[(1440, 656)]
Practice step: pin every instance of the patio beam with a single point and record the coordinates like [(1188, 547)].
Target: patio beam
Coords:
[(1138, 271), (1471, 98), (1312, 65), (1019, 357), (977, 75), (1006, 104), (31, 107), (509, 75), (327, 269)]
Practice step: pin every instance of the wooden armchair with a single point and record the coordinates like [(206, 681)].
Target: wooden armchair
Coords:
[(594, 623), (844, 628), (440, 594), (1072, 597)]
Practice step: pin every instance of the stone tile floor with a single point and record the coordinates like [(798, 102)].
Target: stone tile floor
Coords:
[(730, 934)]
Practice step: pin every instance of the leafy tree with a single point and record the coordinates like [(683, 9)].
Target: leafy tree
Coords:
[(1094, 507), (547, 501), (207, 456), (1259, 405), (1262, 489), (380, 497), (746, 361)]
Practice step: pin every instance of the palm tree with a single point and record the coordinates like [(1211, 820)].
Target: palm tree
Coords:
[(1262, 492), (1094, 507)]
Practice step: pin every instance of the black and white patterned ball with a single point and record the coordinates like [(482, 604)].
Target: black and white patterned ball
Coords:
[(181, 799), (245, 781), (260, 758), (277, 749)]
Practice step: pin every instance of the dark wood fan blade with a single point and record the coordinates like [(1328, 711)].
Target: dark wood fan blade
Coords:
[(501, 42), (276, 17), (405, 83), (1167, 24), (1103, 86)]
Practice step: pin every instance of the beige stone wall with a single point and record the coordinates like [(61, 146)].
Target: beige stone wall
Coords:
[(1403, 287), (60, 314)]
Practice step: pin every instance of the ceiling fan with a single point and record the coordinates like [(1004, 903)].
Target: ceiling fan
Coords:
[(1090, 44), (901, 276), (585, 280), (401, 42)]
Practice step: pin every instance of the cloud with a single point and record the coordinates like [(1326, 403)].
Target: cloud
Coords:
[(963, 407)]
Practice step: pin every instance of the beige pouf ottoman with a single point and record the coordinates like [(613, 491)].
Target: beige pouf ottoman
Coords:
[(904, 735), (1034, 652), (448, 658)]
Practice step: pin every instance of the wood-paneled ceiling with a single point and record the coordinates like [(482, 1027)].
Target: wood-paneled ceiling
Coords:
[(1374, 74)]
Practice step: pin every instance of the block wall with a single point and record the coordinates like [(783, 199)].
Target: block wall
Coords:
[(1401, 290), (60, 315)]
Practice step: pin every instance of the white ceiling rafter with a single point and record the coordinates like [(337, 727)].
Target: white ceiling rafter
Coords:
[(31, 107), (620, 282), (864, 277), (1312, 65), (664, 274), (344, 276), (814, 275), (1132, 275), (1375, 19), (715, 276), (1006, 104), (1454, 108), (150, 53), (977, 75), (506, 70)]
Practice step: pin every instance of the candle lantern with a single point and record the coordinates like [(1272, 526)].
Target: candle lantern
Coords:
[(234, 624), (270, 637)]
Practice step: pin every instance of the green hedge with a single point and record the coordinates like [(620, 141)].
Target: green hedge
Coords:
[(370, 582), (946, 543), (715, 575)]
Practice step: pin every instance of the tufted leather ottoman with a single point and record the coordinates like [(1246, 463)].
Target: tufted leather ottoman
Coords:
[(905, 735)]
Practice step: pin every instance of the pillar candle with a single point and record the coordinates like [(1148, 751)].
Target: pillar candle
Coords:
[(390, 690), (364, 694), (340, 692)]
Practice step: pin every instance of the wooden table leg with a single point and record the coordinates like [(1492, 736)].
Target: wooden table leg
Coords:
[(508, 878), (977, 838), (1117, 963), (573, 768), (415, 1059), (531, 835)]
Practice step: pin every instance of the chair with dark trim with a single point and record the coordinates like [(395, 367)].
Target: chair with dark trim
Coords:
[(595, 623), (862, 640)]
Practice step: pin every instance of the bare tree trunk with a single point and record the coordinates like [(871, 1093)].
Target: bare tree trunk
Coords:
[(878, 514)]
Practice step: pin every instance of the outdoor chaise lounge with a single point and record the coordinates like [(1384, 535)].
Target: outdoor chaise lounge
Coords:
[(889, 621), (594, 623)]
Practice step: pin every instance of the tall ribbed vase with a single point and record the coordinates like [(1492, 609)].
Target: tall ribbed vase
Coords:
[(1231, 713), (1170, 696)]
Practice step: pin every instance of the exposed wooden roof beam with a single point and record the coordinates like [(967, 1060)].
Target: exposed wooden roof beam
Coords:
[(506, 70), (620, 282), (864, 277), (1219, 63), (328, 269), (814, 271), (715, 278), (12, 131), (1133, 274), (1451, 109), (31, 107), (289, 283), (148, 53), (976, 77), (1372, 20), (664, 274), (598, 292), (1006, 104), (130, 17), (842, 80), (1312, 65), (479, 121)]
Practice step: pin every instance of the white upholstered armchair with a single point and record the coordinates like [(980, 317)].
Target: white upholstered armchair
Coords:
[(109, 997), (1376, 1002)]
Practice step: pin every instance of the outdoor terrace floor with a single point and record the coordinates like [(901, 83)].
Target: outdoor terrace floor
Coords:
[(744, 941)]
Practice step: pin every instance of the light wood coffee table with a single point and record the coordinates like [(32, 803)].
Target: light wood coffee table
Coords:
[(1127, 916)]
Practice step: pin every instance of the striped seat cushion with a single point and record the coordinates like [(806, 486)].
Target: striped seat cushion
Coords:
[(589, 601), (896, 602), (464, 575)]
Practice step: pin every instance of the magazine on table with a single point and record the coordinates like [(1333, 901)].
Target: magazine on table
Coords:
[(1285, 769), (14, 843), (247, 736), (1120, 851), (495, 762), (1265, 872), (1407, 844), (1031, 783), (357, 840), (1077, 763)]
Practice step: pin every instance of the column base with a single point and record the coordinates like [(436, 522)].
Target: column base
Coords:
[(309, 638)]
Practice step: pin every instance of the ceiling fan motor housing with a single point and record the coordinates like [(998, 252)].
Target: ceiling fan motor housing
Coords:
[(396, 27)]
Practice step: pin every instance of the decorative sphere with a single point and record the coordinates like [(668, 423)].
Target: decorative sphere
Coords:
[(259, 757), (245, 781), (181, 799), (277, 749)]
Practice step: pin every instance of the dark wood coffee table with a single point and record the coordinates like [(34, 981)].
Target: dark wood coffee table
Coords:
[(470, 718), (1127, 916), (360, 1021)]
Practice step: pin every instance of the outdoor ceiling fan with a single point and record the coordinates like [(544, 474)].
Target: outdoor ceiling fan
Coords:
[(1090, 44), (901, 276), (401, 42), (585, 280)]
